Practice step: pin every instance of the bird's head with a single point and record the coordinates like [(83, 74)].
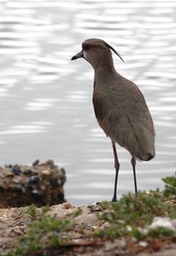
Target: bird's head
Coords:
[(97, 52)]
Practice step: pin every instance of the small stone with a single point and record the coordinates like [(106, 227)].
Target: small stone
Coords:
[(63, 171), (143, 244), (16, 169), (54, 182), (16, 179), (164, 222), (67, 206), (9, 174), (35, 191), (49, 162), (45, 173), (8, 166), (34, 179), (36, 162), (28, 172), (16, 188)]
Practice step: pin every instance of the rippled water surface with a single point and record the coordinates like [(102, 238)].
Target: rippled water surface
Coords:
[(45, 99)]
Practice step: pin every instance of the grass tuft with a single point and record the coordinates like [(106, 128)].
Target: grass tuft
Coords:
[(132, 214), (170, 186), (43, 231)]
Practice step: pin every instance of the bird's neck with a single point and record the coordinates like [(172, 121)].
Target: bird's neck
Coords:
[(104, 72), (103, 63)]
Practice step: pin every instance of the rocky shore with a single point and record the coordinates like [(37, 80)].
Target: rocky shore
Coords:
[(40, 184)]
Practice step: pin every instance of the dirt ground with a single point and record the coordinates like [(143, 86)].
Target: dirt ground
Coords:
[(13, 225)]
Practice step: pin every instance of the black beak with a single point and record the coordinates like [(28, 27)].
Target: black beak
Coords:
[(78, 55)]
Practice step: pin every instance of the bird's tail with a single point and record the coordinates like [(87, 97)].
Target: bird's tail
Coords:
[(143, 146)]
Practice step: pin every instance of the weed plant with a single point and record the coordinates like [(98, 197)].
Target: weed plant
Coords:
[(132, 214), (43, 231)]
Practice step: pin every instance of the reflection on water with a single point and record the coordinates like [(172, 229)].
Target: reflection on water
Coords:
[(45, 99)]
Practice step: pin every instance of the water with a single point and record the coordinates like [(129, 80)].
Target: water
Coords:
[(45, 99)]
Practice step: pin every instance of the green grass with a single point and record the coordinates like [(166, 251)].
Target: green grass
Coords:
[(170, 186), (134, 213)]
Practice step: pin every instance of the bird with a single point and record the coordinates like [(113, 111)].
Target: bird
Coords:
[(120, 107)]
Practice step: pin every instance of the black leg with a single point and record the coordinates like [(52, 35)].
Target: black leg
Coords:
[(133, 162), (116, 165)]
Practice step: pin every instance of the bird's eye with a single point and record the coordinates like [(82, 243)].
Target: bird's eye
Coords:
[(86, 47)]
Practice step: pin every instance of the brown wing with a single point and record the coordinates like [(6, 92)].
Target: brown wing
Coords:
[(125, 118)]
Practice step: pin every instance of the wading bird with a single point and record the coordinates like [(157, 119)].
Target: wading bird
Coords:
[(119, 106)]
